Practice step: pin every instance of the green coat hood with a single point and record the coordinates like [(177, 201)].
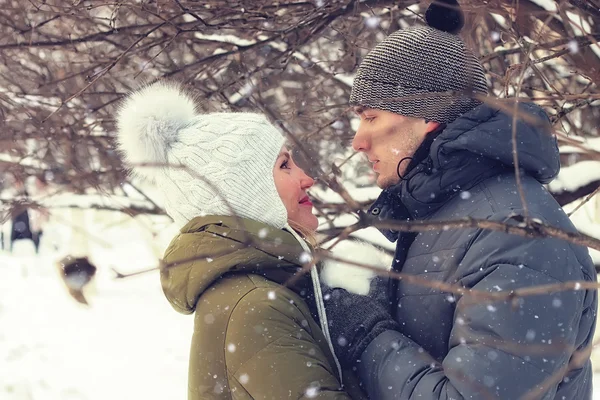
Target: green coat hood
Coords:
[(209, 247)]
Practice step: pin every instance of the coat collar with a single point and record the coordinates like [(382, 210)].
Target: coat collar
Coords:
[(475, 147)]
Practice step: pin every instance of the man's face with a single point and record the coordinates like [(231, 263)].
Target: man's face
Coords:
[(386, 138)]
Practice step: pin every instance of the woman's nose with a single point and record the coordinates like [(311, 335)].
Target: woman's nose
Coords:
[(306, 181)]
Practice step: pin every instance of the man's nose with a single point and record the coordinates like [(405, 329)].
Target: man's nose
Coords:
[(360, 141)]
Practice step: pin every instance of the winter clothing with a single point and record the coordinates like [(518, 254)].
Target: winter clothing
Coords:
[(254, 338), (218, 164), (424, 72), (448, 347), (223, 164), (21, 228), (355, 321)]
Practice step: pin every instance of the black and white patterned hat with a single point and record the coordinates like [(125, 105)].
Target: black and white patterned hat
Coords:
[(423, 72)]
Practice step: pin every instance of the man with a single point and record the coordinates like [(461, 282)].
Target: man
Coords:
[(441, 154)]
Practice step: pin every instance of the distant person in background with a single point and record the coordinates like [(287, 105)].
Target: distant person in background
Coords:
[(20, 222), (38, 217), (27, 222), (246, 222)]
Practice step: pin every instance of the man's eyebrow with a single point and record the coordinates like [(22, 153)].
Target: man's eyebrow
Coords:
[(359, 109), (284, 153)]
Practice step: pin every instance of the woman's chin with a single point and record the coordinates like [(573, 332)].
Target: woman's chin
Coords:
[(312, 222), (307, 220)]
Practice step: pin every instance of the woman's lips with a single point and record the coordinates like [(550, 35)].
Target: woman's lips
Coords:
[(306, 202)]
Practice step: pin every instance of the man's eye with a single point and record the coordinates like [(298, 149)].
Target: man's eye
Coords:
[(285, 164)]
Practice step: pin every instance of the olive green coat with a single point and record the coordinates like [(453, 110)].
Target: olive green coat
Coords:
[(253, 337)]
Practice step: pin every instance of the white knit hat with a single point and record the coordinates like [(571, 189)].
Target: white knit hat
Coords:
[(204, 164)]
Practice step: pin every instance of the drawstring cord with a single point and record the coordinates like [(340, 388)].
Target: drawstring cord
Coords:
[(314, 274)]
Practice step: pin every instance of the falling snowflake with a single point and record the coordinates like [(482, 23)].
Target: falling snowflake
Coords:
[(244, 378), (231, 347), (465, 195), (312, 391), (272, 295), (305, 258), (495, 36), (372, 21), (208, 259), (530, 335), (573, 47), (556, 302), (491, 308), (209, 318), (263, 233), (342, 341)]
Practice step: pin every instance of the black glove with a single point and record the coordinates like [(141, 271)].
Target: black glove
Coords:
[(355, 320), (379, 291)]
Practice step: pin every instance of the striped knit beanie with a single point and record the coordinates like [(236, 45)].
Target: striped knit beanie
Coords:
[(203, 164), (422, 72)]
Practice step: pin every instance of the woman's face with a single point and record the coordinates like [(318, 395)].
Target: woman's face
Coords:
[(291, 183)]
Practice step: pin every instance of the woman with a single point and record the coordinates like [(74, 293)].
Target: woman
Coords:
[(231, 184)]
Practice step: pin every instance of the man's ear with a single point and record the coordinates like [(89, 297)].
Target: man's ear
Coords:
[(431, 126)]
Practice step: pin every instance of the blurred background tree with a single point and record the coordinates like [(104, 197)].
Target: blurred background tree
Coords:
[(65, 65)]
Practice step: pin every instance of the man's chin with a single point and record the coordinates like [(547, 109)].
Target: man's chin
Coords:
[(385, 182)]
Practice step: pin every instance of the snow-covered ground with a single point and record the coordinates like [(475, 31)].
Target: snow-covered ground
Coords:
[(129, 344)]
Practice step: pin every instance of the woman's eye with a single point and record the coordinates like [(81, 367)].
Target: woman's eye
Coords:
[(285, 164)]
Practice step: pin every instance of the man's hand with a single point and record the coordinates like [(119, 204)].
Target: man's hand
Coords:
[(355, 320)]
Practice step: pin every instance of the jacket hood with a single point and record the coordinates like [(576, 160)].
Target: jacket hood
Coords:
[(209, 247), (474, 147)]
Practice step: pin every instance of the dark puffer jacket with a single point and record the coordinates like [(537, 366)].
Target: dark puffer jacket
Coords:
[(449, 347)]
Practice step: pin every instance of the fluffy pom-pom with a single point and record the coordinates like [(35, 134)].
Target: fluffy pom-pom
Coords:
[(445, 15), (148, 123)]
